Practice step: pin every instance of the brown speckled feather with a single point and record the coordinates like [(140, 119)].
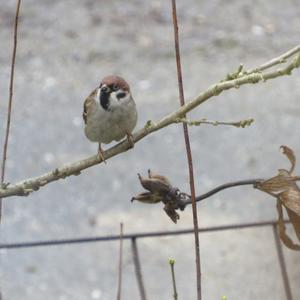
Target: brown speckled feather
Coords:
[(87, 104)]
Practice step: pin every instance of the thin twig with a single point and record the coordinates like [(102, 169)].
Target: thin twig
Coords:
[(226, 186), (172, 263), (29, 185), (242, 123), (120, 263), (188, 151), (275, 61), (11, 90), (137, 235)]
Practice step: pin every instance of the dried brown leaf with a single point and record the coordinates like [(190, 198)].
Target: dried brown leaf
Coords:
[(161, 190), (171, 212), (162, 178), (291, 199), (282, 229), (277, 184), (290, 155), (147, 198), (284, 188), (154, 184), (295, 220)]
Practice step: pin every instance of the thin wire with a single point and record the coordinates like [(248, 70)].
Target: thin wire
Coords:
[(226, 186), (120, 263), (188, 151), (108, 238), (11, 89)]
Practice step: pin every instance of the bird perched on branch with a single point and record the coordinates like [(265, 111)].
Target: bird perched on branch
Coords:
[(109, 113)]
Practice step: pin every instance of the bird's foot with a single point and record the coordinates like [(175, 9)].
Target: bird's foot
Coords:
[(130, 139), (101, 154)]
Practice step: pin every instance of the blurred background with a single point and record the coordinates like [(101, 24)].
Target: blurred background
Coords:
[(64, 49)]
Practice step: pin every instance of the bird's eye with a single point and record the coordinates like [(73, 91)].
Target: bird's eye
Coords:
[(115, 87)]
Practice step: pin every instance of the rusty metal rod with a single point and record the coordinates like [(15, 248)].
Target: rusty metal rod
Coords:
[(133, 235), (188, 153), (282, 264), (138, 269)]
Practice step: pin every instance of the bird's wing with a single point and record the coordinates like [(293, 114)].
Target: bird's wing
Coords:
[(88, 103)]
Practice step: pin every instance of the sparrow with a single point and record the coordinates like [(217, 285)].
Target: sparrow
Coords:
[(109, 113)]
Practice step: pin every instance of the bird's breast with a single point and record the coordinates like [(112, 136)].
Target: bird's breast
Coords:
[(105, 126)]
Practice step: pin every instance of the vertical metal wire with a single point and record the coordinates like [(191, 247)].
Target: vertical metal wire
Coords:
[(120, 263), (188, 152), (138, 270), (282, 264)]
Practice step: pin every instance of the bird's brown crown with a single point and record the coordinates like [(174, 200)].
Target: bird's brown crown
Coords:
[(113, 79)]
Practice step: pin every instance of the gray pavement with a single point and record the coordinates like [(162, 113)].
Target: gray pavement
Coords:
[(65, 48)]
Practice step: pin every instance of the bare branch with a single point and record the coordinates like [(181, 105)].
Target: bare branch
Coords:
[(11, 89), (242, 123), (275, 61), (25, 187)]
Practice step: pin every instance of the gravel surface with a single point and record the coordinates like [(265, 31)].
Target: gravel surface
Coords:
[(65, 48)]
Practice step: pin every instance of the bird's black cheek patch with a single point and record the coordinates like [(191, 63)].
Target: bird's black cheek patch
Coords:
[(121, 95), (104, 100)]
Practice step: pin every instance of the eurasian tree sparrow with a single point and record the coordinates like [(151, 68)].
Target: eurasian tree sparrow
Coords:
[(109, 112)]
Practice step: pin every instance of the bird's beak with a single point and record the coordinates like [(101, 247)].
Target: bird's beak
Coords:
[(105, 89)]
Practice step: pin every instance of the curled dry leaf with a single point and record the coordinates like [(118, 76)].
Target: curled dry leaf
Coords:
[(282, 229), (147, 198), (160, 190), (277, 184), (284, 188), (155, 183), (291, 156), (171, 212)]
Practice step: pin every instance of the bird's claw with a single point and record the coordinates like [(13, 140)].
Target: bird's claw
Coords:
[(101, 154), (130, 140)]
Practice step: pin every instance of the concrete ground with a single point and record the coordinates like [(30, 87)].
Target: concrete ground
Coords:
[(65, 48)]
